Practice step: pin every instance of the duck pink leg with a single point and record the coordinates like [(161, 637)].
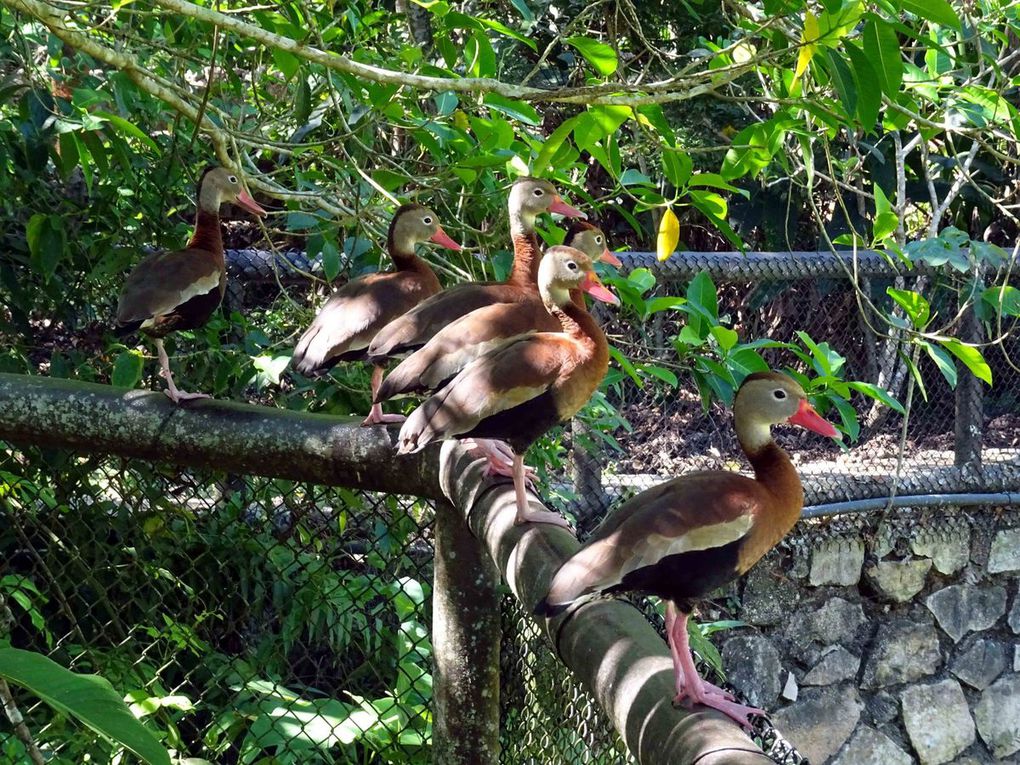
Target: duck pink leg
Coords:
[(172, 392), (524, 512), (498, 456), (375, 414), (691, 689)]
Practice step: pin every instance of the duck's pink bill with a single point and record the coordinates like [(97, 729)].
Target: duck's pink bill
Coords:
[(595, 288), (808, 418), (611, 259), (244, 199), (442, 238), (562, 208)]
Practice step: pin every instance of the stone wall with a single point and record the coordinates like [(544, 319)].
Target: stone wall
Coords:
[(888, 642)]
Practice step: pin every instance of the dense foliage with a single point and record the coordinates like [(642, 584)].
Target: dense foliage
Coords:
[(779, 124)]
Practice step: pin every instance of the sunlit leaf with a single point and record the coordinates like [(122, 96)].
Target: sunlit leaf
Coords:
[(971, 358), (916, 306), (808, 40), (883, 50), (939, 11), (601, 56)]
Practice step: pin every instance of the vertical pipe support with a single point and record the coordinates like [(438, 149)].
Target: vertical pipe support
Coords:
[(465, 645), (969, 431)]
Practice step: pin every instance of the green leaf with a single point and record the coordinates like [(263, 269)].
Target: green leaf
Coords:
[(601, 56), (518, 110), (127, 369), (916, 306), (128, 128), (661, 373), (701, 295), (971, 358), (552, 145), (877, 393), (942, 361), (1003, 299), (88, 698), (886, 221), (869, 89), (882, 48), (46, 242), (939, 11), (286, 62), (725, 336), (842, 79), (677, 166)]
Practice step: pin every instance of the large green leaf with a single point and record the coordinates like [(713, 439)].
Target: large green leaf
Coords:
[(88, 698), (869, 89), (939, 11), (916, 306), (883, 49), (46, 242), (601, 56), (971, 358)]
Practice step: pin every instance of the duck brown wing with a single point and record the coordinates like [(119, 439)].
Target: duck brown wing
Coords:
[(164, 282), (692, 513), (520, 370), (415, 328), (462, 341), (353, 315)]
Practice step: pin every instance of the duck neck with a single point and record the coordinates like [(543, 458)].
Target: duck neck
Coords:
[(576, 322), (401, 252), (527, 253), (772, 466), (207, 234)]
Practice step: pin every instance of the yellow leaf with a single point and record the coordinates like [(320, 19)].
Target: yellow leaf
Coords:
[(808, 46), (669, 235), (460, 120)]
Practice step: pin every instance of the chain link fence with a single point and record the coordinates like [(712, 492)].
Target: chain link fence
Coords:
[(258, 620)]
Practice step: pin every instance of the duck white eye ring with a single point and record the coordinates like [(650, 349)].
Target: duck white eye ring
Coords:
[(427, 220), (538, 192), (598, 240), (571, 265), (232, 179), (779, 394)]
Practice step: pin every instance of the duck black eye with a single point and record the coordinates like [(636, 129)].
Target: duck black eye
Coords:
[(232, 179), (571, 265), (779, 394), (539, 192), (427, 220)]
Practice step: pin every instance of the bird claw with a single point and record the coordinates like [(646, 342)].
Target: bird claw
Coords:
[(713, 698), (382, 419), (543, 516), (179, 396)]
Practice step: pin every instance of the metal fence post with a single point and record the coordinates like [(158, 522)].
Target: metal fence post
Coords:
[(465, 646), (969, 407)]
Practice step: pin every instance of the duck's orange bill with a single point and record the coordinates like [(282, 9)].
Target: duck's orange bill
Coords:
[(597, 290), (808, 418), (442, 238), (610, 258), (244, 199), (561, 207)]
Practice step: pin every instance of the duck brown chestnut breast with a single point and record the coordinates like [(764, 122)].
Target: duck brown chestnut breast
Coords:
[(691, 535), (353, 315), (465, 339), (520, 389), (169, 291), (528, 198)]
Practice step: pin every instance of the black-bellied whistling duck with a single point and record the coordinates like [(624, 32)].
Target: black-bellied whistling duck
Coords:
[(354, 313), (462, 341), (528, 198), (686, 537), (169, 291), (518, 390)]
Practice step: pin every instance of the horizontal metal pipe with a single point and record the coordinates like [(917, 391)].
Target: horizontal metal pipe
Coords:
[(912, 500)]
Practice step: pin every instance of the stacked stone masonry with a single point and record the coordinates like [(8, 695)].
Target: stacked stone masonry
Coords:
[(897, 643)]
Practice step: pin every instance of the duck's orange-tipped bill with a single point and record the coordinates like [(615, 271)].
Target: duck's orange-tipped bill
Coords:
[(561, 207), (597, 290), (244, 199), (610, 258), (443, 239), (808, 418)]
